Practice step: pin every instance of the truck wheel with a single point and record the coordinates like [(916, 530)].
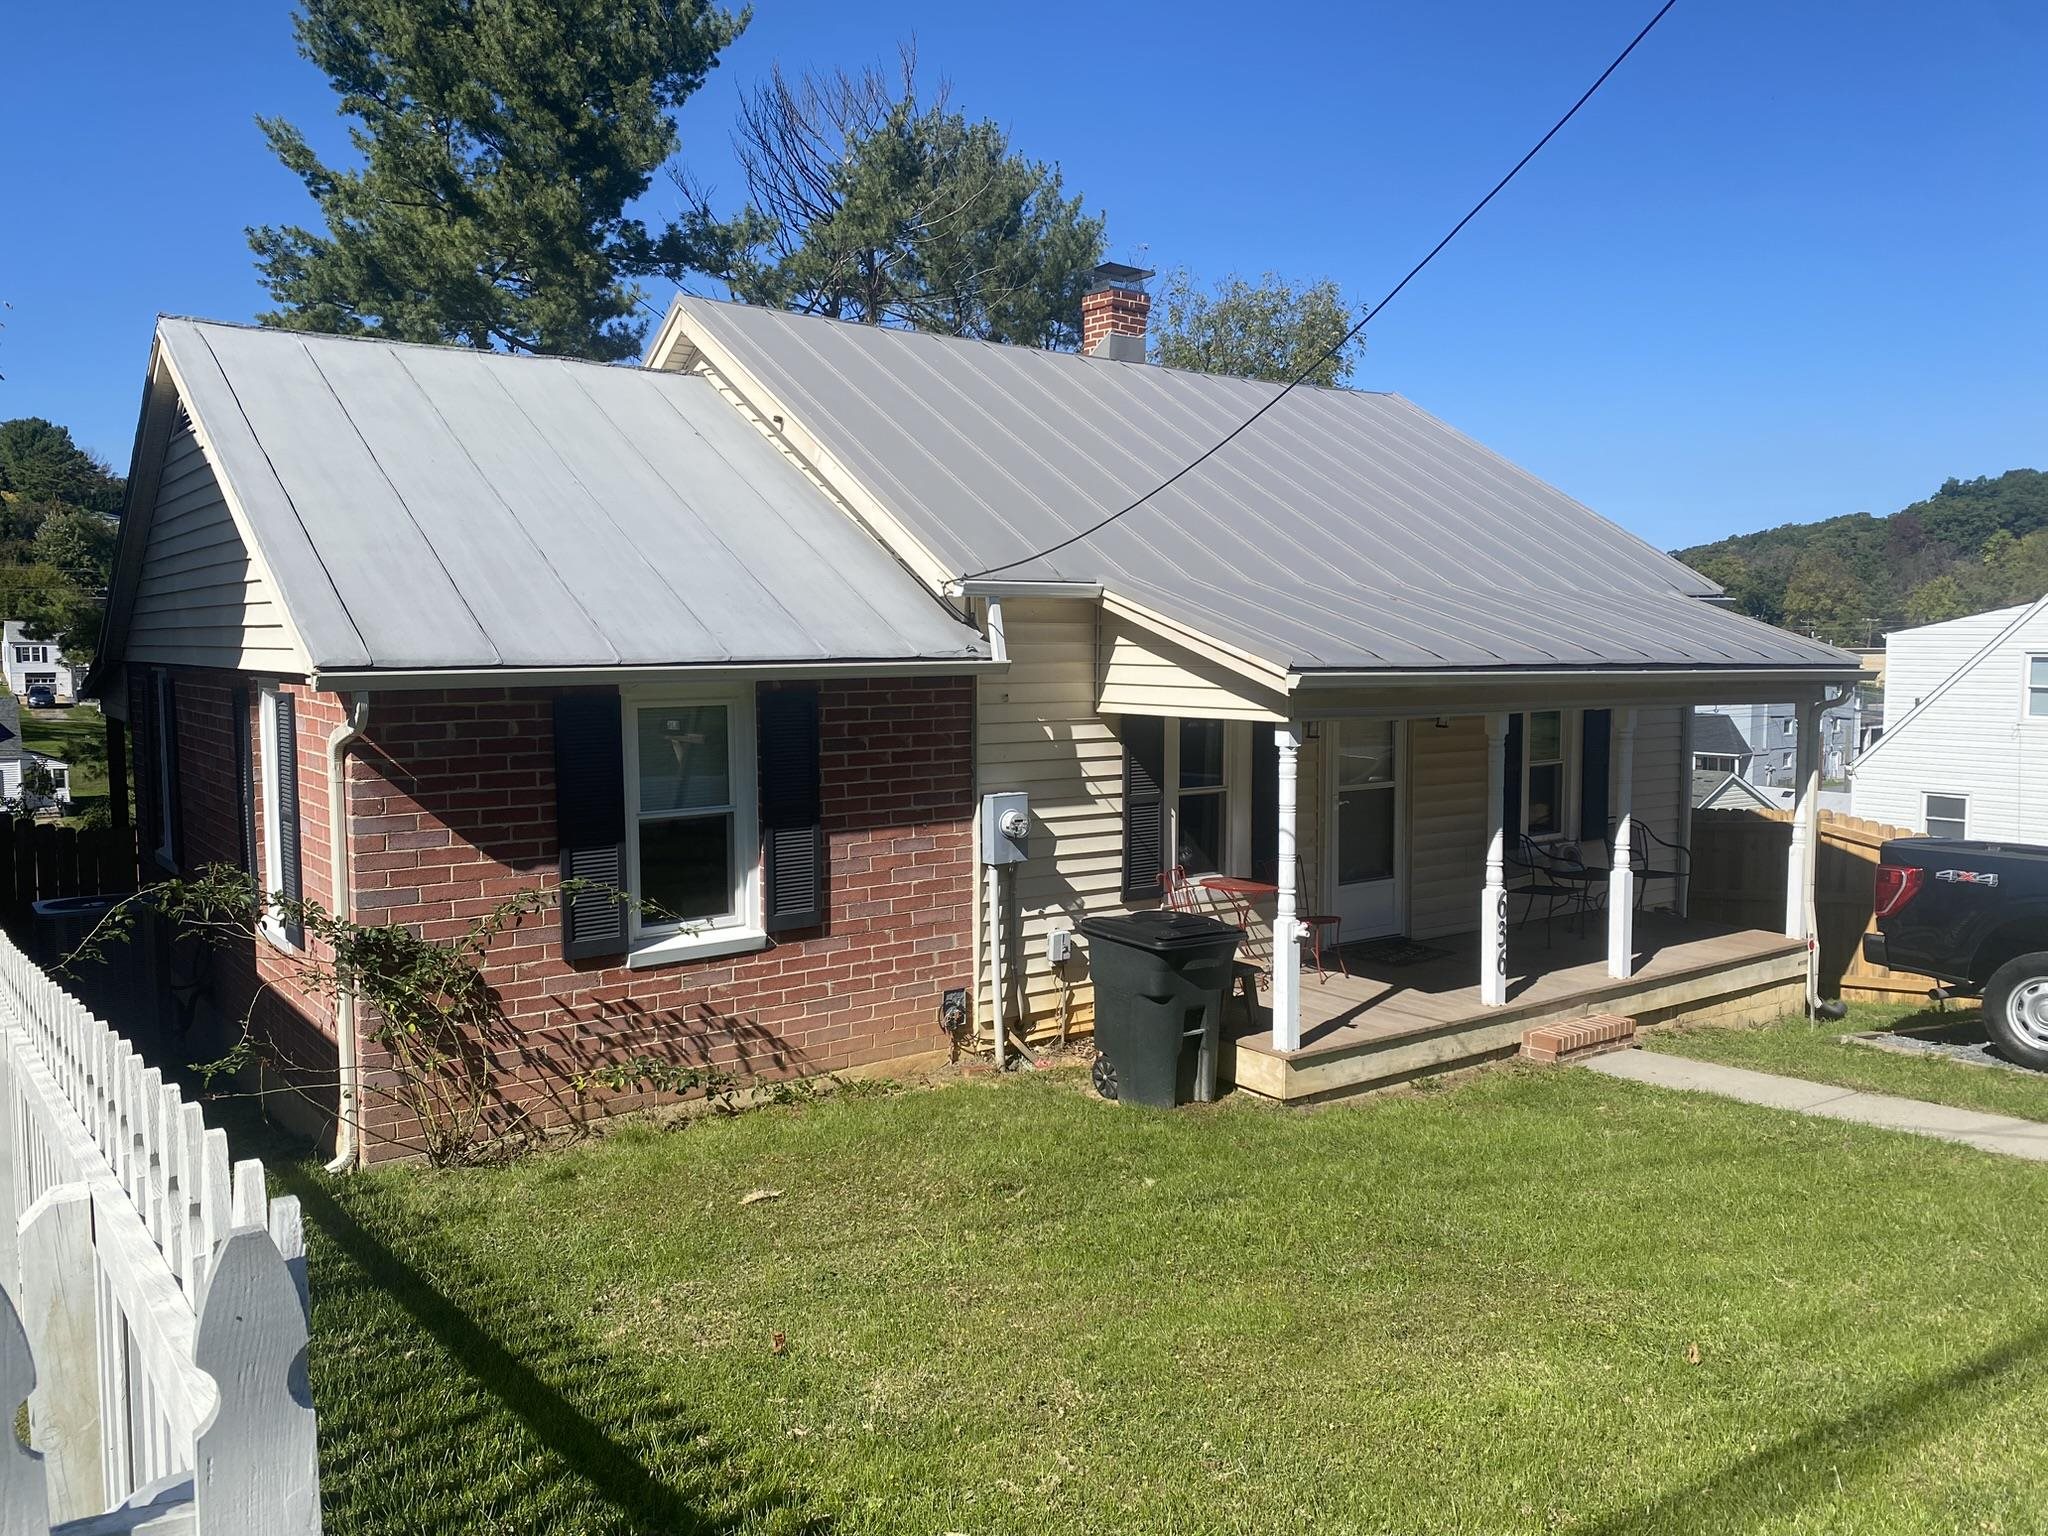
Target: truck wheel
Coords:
[(2016, 1009)]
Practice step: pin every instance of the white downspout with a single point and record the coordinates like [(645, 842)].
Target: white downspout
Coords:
[(999, 997), (346, 1150)]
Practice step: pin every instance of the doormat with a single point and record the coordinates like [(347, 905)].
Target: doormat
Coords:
[(1392, 952)]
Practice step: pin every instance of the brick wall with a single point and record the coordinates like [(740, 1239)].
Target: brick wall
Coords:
[(452, 809)]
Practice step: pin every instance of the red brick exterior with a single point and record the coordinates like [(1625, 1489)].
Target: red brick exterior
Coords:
[(452, 808), (1113, 311)]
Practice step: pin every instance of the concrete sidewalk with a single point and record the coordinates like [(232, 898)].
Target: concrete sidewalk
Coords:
[(1989, 1133)]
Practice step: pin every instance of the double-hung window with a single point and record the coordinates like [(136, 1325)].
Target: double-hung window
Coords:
[(693, 847), (1202, 800), (2037, 687), (1543, 789), (1946, 815)]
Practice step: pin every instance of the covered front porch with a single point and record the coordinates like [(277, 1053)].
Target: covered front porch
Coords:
[(1411, 1009)]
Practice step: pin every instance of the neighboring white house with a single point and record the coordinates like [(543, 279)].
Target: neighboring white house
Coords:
[(1965, 749), (30, 663)]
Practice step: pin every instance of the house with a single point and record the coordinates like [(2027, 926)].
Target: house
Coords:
[(1770, 734), (1720, 789), (1354, 663), (407, 630), (34, 663), (1965, 749), (1718, 745)]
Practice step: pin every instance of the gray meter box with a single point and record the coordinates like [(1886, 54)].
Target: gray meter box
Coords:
[(1005, 827)]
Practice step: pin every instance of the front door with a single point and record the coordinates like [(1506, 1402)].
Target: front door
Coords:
[(1365, 792)]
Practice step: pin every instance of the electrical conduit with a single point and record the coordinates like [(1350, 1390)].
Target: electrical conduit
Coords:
[(346, 1146)]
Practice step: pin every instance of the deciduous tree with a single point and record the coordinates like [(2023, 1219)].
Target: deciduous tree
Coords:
[(1268, 329)]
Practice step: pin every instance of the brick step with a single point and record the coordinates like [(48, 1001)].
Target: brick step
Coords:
[(1589, 1036)]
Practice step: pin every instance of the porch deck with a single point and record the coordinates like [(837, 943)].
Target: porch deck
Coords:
[(1386, 1024)]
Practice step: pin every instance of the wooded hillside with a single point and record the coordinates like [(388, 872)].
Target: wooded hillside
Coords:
[(1972, 545)]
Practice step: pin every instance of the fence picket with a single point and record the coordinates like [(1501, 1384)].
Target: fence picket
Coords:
[(24, 1496)]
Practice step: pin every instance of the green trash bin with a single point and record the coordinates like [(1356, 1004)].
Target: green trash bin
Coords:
[(1160, 982)]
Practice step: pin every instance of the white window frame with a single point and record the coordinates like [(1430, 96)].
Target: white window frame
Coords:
[(743, 928), (1571, 732), (166, 852), (2027, 715), (1236, 793), (1716, 762), (272, 855), (1928, 818)]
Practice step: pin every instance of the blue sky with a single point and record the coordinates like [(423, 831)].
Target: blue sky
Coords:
[(1789, 263)]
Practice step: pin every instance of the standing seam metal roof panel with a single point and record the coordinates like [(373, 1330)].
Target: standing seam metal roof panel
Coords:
[(1344, 531), (436, 508)]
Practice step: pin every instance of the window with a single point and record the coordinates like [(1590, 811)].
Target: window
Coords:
[(692, 842), (1543, 787), (1714, 762), (277, 738), (1947, 815), (1202, 804), (1365, 801), (2037, 687)]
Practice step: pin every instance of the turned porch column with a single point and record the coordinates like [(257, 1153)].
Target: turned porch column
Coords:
[(1286, 906), (1801, 866), (1493, 902), (1621, 875)]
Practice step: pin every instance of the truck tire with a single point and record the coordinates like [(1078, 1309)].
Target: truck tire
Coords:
[(2016, 1009)]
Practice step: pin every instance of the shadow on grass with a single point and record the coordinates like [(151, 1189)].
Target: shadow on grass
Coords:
[(1831, 1456), (617, 1451)]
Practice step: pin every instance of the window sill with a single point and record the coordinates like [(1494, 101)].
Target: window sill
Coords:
[(708, 945)]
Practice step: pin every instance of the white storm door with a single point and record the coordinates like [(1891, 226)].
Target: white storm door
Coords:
[(1365, 792)]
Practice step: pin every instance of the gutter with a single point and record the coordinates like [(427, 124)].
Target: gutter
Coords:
[(986, 586), (347, 1152), (1420, 678), (347, 679)]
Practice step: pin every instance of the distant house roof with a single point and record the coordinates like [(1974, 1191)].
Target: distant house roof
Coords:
[(1344, 532), (1718, 736), (441, 508), (1715, 790)]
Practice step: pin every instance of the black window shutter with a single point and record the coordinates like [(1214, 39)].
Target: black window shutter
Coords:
[(1144, 804), (792, 820), (288, 879), (148, 781), (1511, 783), (245, 778), (1596, 734), (1265, 806), (174, 812), (590, 822)]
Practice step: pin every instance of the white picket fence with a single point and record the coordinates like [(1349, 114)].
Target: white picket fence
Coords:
[(154, 1315)]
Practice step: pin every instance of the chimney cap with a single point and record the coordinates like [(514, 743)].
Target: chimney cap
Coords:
[(1115, 274)]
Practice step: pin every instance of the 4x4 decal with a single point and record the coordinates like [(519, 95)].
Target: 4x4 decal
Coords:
[(1966, 877)]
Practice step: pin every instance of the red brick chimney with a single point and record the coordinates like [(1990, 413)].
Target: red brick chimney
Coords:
[(1113, 313)]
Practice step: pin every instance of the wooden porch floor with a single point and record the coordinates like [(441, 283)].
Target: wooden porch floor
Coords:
[(1385, 1024)]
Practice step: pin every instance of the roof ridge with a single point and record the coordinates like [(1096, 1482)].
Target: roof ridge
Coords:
[(484, 353)]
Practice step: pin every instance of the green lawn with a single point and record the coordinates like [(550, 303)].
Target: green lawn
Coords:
[(1534, 1301), (1796, 1047), (78, 736)]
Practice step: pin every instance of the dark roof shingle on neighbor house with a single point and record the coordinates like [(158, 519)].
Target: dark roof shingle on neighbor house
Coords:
[(427, 508), (1346, 531), (1718, 736)]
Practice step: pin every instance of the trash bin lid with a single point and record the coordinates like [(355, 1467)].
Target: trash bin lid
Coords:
[(74, 906), (1161, 932)]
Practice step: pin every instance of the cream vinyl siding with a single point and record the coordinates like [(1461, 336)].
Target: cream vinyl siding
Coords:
[(1037, 730), (201, 601), (1144, 673)]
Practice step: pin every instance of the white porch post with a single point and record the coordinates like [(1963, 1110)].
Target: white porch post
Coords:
[(1286, 926), (1493, 903), (1621, 875), (1800, 867)]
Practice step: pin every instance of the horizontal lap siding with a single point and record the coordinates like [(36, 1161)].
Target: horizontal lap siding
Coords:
[(1037, 729), (200, 600), (1143, 674)]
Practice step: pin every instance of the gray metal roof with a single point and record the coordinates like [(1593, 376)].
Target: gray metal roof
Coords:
[(436, 507), (1345, 531)]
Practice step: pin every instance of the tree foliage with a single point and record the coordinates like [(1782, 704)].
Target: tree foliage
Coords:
[(1268, 329), (868, 201), (500, 146), (1971, 546), (57, 534)]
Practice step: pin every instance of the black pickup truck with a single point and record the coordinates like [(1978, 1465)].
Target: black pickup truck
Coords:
[(1974, 916)]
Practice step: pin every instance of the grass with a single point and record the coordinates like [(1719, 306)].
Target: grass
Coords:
[(1534, 1301), (1796, 1047), (78, 736)]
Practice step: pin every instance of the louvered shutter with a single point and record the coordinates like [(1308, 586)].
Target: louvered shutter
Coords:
[(1511, 783), (1265, 806), (149, 784), (174, 808), (287, 880), (1596, 735), (245, 778), (590, 822), (792, 823), (1144, 804)]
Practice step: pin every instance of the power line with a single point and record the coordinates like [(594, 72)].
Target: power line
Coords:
[(1328, 352)]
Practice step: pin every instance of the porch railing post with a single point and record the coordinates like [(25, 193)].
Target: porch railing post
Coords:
[(1286, 925), (1799, 867), (1621, 874), (1493, 902)]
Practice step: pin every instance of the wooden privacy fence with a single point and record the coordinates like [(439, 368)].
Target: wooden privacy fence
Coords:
[(40, 860), (154, 1314), (1738, 877)]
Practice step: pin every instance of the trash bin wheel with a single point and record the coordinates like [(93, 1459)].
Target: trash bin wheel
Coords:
[(1105, 1076)]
